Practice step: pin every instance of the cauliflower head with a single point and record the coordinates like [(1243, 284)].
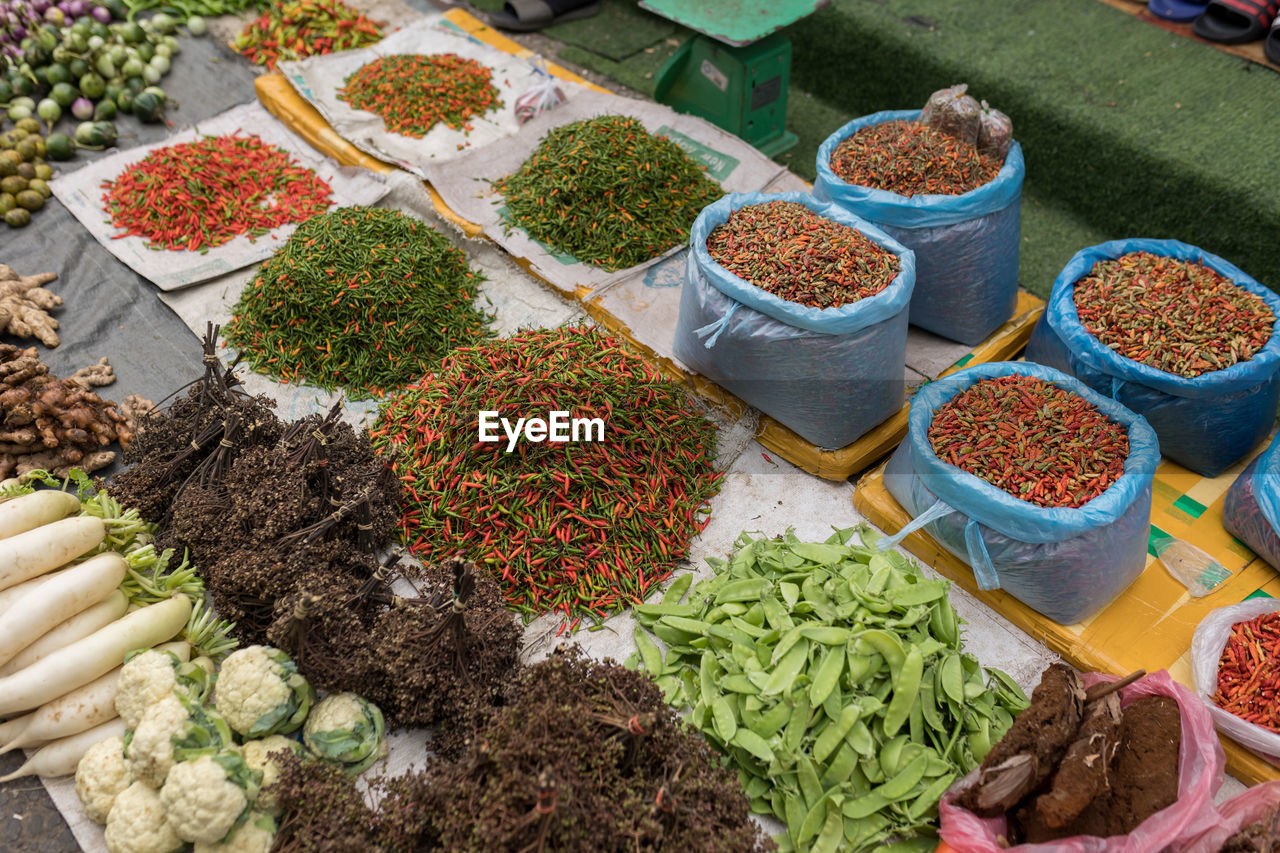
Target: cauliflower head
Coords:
[(261, 692), (136, 823), (174, 729), (347, 729), (101, 776), (205, 797), (258, 755), (255, 835), (149, 676)]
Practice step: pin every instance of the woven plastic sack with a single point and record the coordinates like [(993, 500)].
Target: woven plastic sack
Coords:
[(1251, 509), (829, 374), (1200, 767), (1245, 809), (1207, 644), (1207, 423), (954, 113), (966, 245), (1065, 563)]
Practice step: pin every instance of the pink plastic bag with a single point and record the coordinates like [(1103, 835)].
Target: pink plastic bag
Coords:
[(1200, 767), (1253, 805)]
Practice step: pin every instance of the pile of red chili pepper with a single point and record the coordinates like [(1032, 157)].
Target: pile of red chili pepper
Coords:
[(302, 28), (1247, 672), (415, 93), (795, 254), (581, 528), (196, 195), (1036, 441), (1174, 315), (909, 158)]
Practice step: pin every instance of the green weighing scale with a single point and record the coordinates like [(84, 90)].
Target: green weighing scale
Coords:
[(735, 72)]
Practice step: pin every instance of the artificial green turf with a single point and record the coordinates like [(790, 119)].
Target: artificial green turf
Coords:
[(1126, 127)]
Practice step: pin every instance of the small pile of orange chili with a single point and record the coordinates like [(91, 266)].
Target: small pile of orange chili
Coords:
[(1247, 672)]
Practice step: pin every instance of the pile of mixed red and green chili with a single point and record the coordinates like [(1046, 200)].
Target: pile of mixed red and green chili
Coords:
[(1177, 316), (910, 159), (1249, 672), (580, 528), (414, 93), (196, 195), (795, 254), (300, 28), (1036, 441)]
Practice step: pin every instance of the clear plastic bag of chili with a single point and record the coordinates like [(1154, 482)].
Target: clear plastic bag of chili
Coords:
[(954, 113), (543, 95)]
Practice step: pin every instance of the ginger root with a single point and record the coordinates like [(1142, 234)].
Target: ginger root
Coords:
[(25, 306), (57, 424)]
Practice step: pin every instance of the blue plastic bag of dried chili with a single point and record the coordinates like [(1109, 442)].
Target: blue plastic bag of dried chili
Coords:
[(1206, 422), (966, 245), (1251, 511), (1065, 562), (829, 374)]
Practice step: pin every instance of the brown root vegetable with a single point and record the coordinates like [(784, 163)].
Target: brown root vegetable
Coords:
[(25, 306), (1085, 771), (1028, 753)]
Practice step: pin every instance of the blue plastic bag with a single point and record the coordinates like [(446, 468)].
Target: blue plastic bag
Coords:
[(1065, 563), (1251, 509), (829, 374), (966, 245), (1207, 423)]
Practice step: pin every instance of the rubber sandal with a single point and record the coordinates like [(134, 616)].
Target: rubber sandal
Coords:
[(1178, 11), (1272, 45), (526, 16), (1236, 21)]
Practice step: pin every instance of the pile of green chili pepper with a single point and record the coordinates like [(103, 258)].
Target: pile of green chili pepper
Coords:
[(607, 192), (581, 528), (833, 677), (302, 28), (364, 299)]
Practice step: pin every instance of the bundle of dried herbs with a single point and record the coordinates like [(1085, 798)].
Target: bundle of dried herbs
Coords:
[(607, 192), (910, 159), (795, 254), (582, 526), (363, 299), (286, 521)]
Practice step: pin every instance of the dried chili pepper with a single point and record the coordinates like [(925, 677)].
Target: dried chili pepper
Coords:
[(1249, 672), (301, 28), (579, 528), (359, 298), (196, 195), (607, 192), (909, 158), (1174, 315), (413, 94), (1034, 440), (787, 249)]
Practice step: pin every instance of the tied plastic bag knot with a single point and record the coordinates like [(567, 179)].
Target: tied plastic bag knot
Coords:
[(717, 327), (543, 95), (983, 569)]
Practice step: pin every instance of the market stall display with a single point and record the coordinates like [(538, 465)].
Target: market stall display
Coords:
[(1178, 335), (834, 679), (363, 299), (1065, 561), (597, 506), (956, 208), (829, 369), (250, 138)]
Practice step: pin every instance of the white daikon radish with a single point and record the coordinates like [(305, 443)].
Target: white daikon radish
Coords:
[(31, 554), (81, 625), (95, 655), (13, 593), (39, 612), (10, 729), (34, 510), (61, 757), (81, 709)]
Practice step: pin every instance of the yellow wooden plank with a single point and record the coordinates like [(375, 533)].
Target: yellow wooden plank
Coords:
[(1149, 626)]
